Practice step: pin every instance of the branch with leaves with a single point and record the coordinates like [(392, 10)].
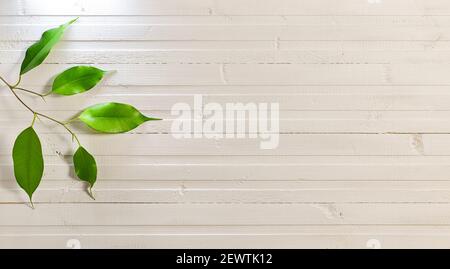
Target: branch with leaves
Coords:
[(106, 117)]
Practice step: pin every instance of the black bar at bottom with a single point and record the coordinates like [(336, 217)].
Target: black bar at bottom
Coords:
[(229, 258)]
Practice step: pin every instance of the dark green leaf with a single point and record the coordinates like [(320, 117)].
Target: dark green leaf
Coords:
[(28, 161), (113, 117), (77, 79), (85, 166), (37, 53)]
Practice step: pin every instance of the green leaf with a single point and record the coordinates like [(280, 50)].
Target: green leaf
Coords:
[(113, 117), (37, 53), (85, 166), (28, 161), (77, 79)]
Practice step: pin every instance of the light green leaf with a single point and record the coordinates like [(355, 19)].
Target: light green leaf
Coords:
[(77, 79), (37, 53), (28, 161), (85, 166), (113, 117)]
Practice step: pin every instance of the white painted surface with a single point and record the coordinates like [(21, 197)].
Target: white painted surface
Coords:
[(364, 155)]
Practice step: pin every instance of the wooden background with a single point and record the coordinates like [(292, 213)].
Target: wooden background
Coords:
[(364, 155)]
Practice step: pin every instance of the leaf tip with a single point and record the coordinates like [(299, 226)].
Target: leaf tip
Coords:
[(149, 119), (108, 71), (31, 203), (89, 190)]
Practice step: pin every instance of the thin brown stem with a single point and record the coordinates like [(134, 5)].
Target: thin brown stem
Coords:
[(19, 88), (47, 94), (62, 124), (34, 119), (71, 120), (29, 91), (20, 100), (35, 113), (4, 81), (18, 82)]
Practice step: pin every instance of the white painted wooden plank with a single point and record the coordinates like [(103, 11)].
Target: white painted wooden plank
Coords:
[(381, 45), (289, 144), (255, 74), (205, 45), (339, 101), (250, 168), (205, 20), (291, 74), (106, 7), (233, 56), (151, 45), (207, 241), (227, 91), (261, 160), (290, 122), (227, 237), (80, 102), (85, 32), (226, 214), (287, 126), (372, 20), (224, 7), (326, 7), (226, 230), (266, 192), (139, 74), (287, 102), (185, 241), (358, 45)]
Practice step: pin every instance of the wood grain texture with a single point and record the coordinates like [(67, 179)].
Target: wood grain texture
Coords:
[(364, 153)]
